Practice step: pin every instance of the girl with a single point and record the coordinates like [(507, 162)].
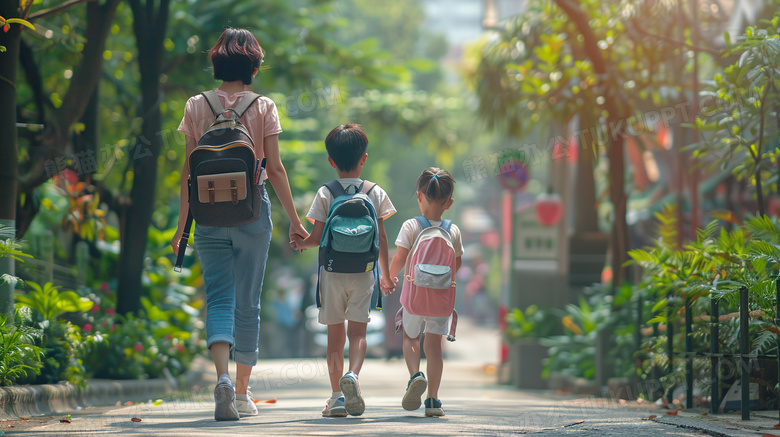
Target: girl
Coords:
[(234, 258), (434, 196)]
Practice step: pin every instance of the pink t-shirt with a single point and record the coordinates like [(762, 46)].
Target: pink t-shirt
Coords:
[(261, 119)]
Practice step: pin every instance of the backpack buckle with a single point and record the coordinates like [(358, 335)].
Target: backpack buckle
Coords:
[(234, 191), (212, 192)]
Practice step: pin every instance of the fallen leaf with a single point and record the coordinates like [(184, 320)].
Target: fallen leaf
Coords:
[(704, 414), (672, 413), (157, 403), (572, 424), (128, 403), (652, 416), (776, 426), (64, 421), (269, 401), (639, 400), (135, 419)]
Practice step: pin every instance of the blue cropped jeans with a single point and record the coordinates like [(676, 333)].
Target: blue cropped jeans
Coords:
[(233, 259)]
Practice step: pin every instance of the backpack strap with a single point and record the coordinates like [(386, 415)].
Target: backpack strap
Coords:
[(423, 222), (453, 325), (335, 188), (185, 236), (218, 110), (366, 187), (446, 224), (214, 103), (246, 101)]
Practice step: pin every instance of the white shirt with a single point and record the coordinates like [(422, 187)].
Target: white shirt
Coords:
[(412, 228), (323, 199)]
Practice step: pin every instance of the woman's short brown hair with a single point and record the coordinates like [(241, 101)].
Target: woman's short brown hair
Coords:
[(236, 55)]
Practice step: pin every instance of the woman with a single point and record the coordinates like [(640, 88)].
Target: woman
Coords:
[(234, 258)]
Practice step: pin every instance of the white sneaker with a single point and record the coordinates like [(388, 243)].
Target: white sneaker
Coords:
[(225, 402), (245, 404)]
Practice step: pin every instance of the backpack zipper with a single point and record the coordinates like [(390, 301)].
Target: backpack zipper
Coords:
[(225, 147)]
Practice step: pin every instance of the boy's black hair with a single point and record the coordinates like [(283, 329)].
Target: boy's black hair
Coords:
[(236, 55), (346, 144)]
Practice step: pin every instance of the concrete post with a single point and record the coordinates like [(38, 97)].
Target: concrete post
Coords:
[(46, 248), (82, 263)]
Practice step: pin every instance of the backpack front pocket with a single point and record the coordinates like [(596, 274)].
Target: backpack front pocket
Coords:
[(352, 234), (433, 276), (222, 187)]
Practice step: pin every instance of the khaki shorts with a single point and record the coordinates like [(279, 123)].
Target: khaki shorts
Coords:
[(345, 296)]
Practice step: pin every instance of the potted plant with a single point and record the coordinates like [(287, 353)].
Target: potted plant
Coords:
[(526, 355)]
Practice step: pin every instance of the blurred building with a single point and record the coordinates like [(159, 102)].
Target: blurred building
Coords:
[(462, 21)]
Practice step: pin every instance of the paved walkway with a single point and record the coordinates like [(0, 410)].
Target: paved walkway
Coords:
[(474, 403)]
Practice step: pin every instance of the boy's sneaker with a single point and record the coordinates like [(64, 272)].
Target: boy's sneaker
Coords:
[(433, 408), (335, 408), (353, 400), (245, 404), (225, 402), (414, 391)]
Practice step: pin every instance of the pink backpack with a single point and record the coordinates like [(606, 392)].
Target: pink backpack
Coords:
[(429, 283)]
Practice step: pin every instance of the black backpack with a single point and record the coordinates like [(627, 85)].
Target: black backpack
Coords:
[(224, 185)]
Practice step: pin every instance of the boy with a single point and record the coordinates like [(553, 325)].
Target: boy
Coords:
[(346, 296)]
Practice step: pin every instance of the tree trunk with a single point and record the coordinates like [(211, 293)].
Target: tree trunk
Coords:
[(9, 158), (619, 236), (617, 195), (585, 217), (149, 27), (86, 76)]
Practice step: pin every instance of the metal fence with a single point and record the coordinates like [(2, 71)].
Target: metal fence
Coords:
[(744, 356)]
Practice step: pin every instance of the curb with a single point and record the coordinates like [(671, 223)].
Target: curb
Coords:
[(718, 425), (37, 400)]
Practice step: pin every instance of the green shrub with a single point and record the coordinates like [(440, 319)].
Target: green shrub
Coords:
[(574, 352), (531, 323), (19, 358), (51, 303)]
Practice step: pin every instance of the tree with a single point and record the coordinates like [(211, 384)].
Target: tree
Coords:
[(742, 118), (150, 23), (9, 41), (589, 59)]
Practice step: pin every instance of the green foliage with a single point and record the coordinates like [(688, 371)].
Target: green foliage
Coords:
[(535, 68), (9, 247), (50, 303), (715, 266), (574, 352), (18, 357), (141, 347), (531, 323), (738, 123)]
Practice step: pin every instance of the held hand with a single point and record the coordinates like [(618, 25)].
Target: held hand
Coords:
[(296, 242), (387, 285), (297, 235), (299, 230)]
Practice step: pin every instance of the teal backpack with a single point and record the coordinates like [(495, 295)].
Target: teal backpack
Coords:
[(350, 240)]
